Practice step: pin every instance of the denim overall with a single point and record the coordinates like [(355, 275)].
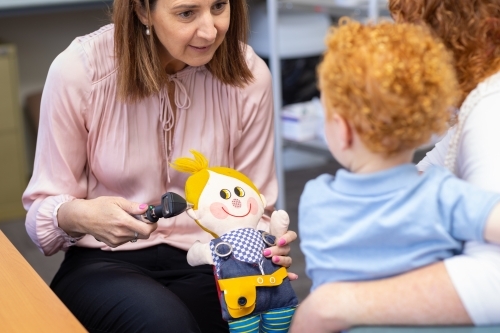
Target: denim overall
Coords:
[(239, 253)]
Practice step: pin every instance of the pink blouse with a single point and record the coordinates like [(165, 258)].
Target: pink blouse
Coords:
[(91, 144)]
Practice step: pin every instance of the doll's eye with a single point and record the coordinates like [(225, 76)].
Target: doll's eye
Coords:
[(239, 191), (225, 194)]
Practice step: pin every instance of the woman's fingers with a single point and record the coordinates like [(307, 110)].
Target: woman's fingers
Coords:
[(132, 208), (284, 261), (279, 253), (127, 234), (131, 231), (143, 229), (110, 220), (287, 238)]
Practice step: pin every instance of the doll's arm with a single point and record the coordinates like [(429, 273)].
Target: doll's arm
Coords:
[(199, 254), (279, 223)]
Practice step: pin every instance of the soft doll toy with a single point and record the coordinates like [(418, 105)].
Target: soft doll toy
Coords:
[(255, 294)]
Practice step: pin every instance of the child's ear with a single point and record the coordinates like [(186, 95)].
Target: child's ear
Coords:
[(192, 214), (344, 131)]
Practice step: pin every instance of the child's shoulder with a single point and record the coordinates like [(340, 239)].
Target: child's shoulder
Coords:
[(437, 174), (321, 184), (437, 171), (320, 181), (440, 180), (449, 185)]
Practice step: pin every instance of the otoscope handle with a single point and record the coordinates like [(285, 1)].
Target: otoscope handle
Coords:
[(153, 213)]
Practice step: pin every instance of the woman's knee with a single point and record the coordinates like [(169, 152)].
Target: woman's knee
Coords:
[(118, 300)]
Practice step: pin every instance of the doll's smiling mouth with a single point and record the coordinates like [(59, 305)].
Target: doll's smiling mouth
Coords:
[(228, 213)]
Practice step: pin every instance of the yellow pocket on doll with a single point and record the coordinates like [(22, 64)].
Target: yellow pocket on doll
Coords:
[(240, 293)]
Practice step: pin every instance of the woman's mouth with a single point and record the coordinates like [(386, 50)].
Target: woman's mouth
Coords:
[(200, 48)]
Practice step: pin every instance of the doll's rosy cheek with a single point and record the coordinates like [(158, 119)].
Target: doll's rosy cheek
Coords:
[(217, 210), (254, 206)]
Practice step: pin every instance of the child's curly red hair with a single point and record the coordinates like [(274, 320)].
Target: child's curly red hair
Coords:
[(394, 83)]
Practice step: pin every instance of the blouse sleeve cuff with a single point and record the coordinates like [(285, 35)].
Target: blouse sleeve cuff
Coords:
[(50, 237)]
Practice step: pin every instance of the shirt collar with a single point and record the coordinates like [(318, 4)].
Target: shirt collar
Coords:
[(380, 182)]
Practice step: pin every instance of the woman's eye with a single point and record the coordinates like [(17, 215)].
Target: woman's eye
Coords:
[(225, 194), (186, 14), (239, 191), (220, 6)]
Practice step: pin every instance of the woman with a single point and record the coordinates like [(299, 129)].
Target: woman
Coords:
[(464, 289), (118, 106)]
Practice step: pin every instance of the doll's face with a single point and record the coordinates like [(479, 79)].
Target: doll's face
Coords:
[(227, 203)]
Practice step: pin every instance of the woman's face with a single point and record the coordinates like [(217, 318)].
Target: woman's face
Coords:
[(189, 31)]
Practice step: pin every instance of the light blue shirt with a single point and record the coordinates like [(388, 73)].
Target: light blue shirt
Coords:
[(371, 226)]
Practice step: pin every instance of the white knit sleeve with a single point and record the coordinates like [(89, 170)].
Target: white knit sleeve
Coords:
[(478, 158)]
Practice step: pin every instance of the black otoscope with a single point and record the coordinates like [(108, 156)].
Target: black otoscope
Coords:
[(171, 205)]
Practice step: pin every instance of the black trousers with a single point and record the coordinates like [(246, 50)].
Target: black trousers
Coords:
[(148, 290)]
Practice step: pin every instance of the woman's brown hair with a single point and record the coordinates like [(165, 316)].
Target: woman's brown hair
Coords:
[(140, 73), (469, 28)]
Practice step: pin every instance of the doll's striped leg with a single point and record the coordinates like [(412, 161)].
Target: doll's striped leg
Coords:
[(245, 325), (277, 321)]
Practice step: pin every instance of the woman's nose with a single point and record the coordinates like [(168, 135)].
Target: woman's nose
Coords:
[(207, 29)]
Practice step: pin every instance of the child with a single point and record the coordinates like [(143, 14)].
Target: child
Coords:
[(386, 89)]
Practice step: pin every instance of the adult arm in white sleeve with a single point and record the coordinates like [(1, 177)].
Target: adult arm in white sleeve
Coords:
[(478, 159)]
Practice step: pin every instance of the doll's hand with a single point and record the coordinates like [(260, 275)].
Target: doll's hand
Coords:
[(199, 254), (279, 223)]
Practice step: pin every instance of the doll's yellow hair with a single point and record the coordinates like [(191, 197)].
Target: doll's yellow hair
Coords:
[(199, 170)]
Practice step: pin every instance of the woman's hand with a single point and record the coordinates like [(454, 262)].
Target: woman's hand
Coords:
[(108, 219), (279, 252)]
